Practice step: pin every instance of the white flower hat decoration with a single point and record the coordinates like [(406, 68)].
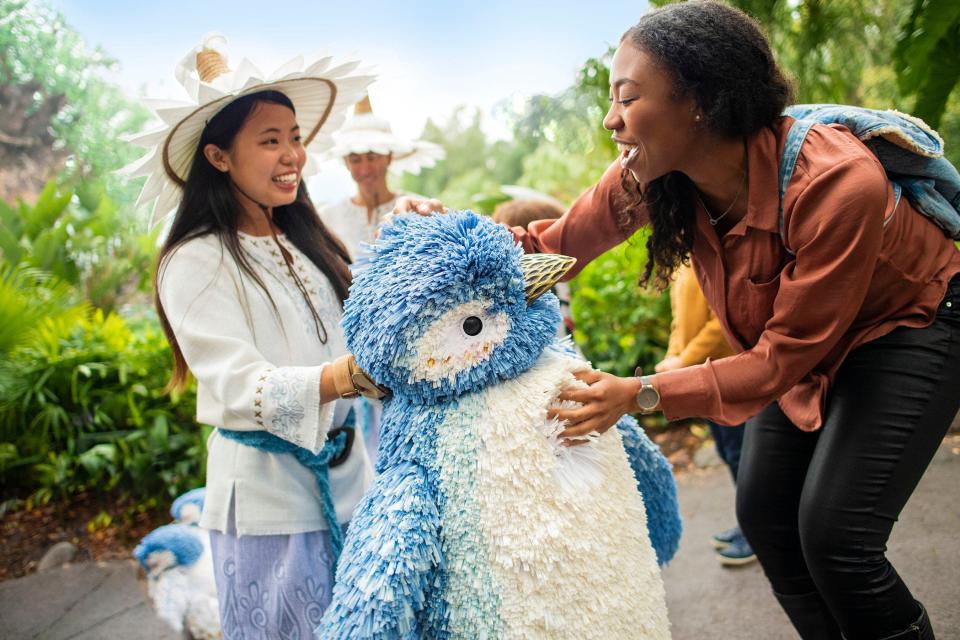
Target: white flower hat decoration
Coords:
[(366, 132), (321, 93)]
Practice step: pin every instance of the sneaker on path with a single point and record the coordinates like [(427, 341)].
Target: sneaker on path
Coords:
[(723, 539), (737, 553)]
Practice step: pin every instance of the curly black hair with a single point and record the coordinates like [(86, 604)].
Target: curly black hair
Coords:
[(718, 56)]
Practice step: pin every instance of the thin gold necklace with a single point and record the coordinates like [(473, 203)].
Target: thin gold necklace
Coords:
[(714, 221)]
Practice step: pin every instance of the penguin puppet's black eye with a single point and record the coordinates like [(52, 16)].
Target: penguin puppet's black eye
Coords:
[(472, 325)]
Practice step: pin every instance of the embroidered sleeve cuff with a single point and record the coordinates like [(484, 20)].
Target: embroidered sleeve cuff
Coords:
[(291, 408)]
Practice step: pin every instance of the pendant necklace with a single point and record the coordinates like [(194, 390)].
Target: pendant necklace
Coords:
[(714, 221)]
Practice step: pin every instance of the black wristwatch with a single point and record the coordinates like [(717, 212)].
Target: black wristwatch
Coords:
[(648, 398)]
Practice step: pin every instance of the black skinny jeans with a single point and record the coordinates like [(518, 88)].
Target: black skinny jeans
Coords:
[(818, 507)]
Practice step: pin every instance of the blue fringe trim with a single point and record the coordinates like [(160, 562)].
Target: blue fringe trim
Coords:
[(180, 539), (390, 581), (656, 484), (194, 496)]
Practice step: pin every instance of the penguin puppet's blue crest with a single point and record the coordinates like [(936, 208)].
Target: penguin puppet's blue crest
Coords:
[(179, 539), (464, 325)]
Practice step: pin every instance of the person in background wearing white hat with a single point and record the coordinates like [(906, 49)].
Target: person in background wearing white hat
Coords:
[(370, 150), (250, 286)]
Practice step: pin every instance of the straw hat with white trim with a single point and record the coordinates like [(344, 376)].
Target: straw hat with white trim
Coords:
[(369, 133), (320, 92)]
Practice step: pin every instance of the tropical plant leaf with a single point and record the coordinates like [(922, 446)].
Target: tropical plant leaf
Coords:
[(941, 78), (45, 212), (27, 297), (10, 250), (82, 404), (921, 47)]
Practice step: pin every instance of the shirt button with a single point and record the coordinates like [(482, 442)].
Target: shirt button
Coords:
[(949, 304)]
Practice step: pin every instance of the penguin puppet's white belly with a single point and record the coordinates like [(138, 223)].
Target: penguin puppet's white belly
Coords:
[(534, 546)]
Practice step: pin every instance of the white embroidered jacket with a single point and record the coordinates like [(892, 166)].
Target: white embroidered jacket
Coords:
[(255, 372)]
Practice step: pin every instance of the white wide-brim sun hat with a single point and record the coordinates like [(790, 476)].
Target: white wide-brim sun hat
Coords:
[(369, 133), (321, 94)]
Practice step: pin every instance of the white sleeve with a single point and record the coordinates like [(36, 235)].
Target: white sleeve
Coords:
[(201, 294)]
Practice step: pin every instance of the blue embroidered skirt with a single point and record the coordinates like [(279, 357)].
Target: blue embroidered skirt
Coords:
[(274, 586)]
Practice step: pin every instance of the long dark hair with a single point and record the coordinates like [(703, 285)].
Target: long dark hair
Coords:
[(718, 56), (210, 207)]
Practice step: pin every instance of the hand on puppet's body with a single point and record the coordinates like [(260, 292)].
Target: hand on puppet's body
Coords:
[(605, 400)]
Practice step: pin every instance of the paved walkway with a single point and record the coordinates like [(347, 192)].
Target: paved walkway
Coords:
[(90, 601), (706, 601)]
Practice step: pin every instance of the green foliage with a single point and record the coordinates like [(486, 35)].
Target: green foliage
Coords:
[(40, 51), (82, 405), (618, 325), (568, 146), (81, 389), (869, 53), (470, 166), (558, 146), (927, 56), (81, 238), (949, 129), (826, 47), (28, 296)]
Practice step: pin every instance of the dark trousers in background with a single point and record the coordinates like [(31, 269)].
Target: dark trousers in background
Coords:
[(818, 508), (729, 441)]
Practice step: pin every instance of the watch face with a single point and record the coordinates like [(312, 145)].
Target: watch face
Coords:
[(648, 398)]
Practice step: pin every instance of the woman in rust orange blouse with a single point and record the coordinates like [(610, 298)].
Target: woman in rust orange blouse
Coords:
[(848, 363)]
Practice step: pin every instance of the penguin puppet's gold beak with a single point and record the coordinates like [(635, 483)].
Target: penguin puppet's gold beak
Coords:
[(543, 270)]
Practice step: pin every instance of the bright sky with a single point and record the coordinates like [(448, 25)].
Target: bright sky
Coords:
[(429, 56)]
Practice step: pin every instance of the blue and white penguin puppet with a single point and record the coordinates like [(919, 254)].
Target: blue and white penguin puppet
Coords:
[(180, 583), (480, 524)]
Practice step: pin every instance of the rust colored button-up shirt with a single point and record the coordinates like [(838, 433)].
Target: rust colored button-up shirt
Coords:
[(863, 265)]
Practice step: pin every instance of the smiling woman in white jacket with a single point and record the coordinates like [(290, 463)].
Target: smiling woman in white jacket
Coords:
[(257, 373), (250, 287)]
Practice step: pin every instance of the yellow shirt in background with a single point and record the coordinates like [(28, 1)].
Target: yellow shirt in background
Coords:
[(695, 332)]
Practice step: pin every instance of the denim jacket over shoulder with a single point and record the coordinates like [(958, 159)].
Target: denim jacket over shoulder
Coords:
[(910, 152)]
